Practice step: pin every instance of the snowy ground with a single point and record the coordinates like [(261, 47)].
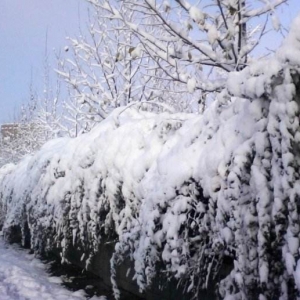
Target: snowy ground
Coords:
[(23, 277)]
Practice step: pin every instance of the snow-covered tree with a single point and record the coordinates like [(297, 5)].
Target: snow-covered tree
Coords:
[(196, 44), (39, 120), (49, 101), (108, 68)]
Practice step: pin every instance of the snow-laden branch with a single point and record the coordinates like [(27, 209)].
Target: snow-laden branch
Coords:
[(199, 36)]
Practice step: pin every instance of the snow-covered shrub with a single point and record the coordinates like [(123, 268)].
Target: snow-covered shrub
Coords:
[(180, 190), (4, 171)]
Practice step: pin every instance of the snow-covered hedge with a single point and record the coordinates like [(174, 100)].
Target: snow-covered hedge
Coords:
[(182, 190)]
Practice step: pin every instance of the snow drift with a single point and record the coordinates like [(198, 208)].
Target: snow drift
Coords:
[(179, 189)]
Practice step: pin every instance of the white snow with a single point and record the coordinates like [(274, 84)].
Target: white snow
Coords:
[(197, 15), (191, 85), (275, 22), (212, 34), (22, 276)]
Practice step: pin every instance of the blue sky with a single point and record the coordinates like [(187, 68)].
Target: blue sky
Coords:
[(23, 27)]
